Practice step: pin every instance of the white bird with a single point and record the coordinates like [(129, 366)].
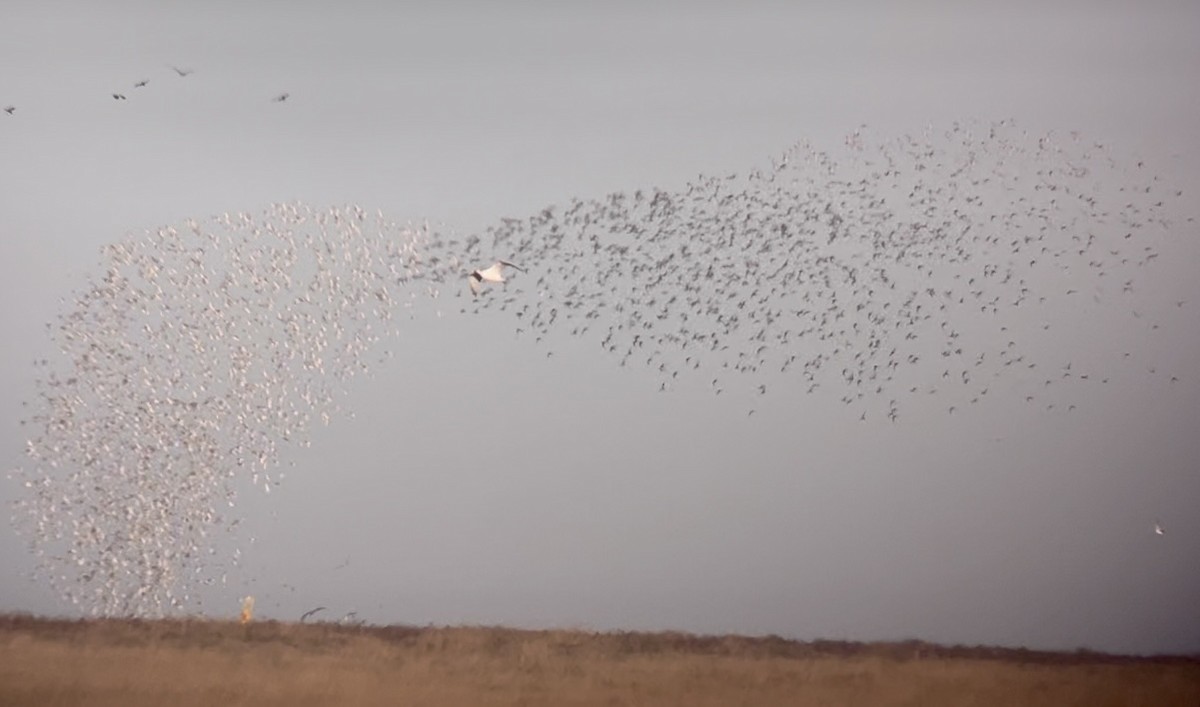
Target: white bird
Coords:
[(1158, 529), (493, 273)]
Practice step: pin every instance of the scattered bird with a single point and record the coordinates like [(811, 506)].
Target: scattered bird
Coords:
[(492, 273), (9, 109), (141, 83), (310, 612), (119, 96), (280, 98), (1158, 529), (181, 72)]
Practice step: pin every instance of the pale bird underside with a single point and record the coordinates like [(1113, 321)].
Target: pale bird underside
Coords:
[(492, 273)]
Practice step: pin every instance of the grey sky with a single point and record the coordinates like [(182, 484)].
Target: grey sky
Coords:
[(490, 484)]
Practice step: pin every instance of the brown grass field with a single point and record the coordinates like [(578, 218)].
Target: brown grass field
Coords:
[(179, 663)]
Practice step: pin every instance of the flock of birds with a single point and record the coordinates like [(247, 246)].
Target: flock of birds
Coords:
[(930, 267), (142, 83)]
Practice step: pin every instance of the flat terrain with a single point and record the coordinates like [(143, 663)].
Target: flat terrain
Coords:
[(181, 663)]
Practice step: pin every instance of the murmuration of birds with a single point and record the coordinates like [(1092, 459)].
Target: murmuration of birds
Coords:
[(935, 266), (197, 352)]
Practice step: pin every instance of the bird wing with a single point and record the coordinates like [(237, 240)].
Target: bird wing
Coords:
[(508, 264), (473, 280), (492, 273)]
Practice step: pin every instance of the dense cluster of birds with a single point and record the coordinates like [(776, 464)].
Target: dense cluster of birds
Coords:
[(197, 353), (907, 267), (922, 265)]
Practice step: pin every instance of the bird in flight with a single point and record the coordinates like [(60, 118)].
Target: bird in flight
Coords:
[(9, 109), (310, 612), (181, 72), (141, 83), (280, 98), (1158, 529), (119, 96), (493, 273)]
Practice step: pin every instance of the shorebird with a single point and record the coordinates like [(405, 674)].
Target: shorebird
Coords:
[(493, 273)]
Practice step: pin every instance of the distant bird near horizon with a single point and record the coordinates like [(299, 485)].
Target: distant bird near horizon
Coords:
[(280, 98), (119, 96), (181, 72), (310, 612), (493, 273), (141, 83)]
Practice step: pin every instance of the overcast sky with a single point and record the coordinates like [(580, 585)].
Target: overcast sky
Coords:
[(481, 482)]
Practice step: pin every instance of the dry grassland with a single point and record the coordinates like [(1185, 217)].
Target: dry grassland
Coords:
[(180, 663)]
